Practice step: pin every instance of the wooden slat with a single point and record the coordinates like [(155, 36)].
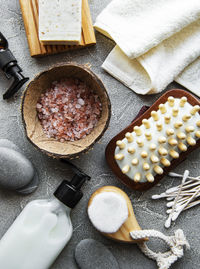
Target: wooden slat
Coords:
[(34, 9), (88, 30), (30, 16)]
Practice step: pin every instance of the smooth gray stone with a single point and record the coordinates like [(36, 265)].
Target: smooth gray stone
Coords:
[(9, 144), (16, 171), (31, 186), (90, 253)]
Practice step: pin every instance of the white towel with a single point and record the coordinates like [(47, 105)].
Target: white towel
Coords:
[(160, 31), (139, 25), (190, 77), (153, 71)]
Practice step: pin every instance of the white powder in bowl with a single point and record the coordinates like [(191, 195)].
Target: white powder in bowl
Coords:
[(108, 211)]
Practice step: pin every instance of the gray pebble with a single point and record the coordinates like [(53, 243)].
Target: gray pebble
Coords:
[(5, 143), (90, 253), (16, 171)]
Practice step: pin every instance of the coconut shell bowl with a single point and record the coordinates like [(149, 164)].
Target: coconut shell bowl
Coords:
[(32, 124)]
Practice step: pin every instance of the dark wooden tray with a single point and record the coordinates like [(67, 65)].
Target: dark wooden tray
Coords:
[(110, 149)]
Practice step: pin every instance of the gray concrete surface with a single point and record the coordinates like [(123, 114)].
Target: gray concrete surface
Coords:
[(125, 105)]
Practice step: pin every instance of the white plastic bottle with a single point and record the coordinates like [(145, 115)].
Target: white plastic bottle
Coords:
[(42, 230)]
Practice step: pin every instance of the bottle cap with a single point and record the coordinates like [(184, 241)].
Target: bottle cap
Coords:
[(69, 193)]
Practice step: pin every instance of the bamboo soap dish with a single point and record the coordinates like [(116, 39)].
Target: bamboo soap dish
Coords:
[(37, 49)]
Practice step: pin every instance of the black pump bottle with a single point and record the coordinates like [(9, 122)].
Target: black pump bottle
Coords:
[(8, 64)]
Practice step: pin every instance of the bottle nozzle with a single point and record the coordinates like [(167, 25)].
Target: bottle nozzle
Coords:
[(19, 81), (79, 178), (69, 193), (9, 66)]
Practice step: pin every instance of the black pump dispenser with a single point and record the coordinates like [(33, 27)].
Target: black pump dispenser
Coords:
[(69, 193), (8, 64)]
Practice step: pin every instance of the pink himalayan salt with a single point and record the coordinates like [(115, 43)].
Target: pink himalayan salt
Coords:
[(69, 110)]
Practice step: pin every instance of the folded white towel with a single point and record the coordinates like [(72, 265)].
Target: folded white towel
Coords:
[(190, 77), (153, 71), (156, 40), (139, 25)]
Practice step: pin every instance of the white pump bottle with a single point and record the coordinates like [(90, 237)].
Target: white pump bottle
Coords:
[(42, 230)]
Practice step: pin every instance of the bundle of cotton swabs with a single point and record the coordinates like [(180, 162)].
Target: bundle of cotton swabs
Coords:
[(182, 197)]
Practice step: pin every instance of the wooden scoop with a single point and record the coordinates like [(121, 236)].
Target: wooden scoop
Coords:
[(131, 224)]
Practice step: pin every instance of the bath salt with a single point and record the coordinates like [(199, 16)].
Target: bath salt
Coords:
[(108, 211), (69, 110)]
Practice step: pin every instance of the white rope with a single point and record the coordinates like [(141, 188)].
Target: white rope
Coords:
[(175, 242)]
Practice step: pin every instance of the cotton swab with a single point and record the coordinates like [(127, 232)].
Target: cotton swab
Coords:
[(168, 221), (176, 214), (180, 201), (172, 174), (169, 195), (182, 197), (186, 186), (187, 207)]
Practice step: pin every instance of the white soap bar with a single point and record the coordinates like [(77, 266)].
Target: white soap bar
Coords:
[(60, 21)]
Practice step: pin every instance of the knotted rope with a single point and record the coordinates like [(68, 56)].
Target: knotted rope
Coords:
[(176, 244)]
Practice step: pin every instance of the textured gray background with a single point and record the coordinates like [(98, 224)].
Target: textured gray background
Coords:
[(125, 105)]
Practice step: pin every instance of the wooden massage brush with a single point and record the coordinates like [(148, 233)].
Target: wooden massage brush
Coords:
[(157, 141)]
